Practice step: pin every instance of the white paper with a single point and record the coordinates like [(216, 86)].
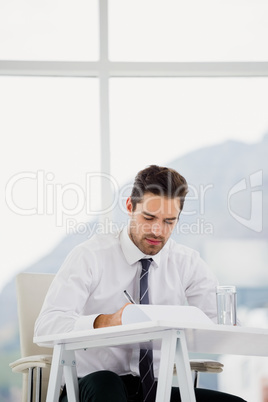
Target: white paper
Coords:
[(180, 314)]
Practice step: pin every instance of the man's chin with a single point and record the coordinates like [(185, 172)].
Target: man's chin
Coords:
[(152, 249)]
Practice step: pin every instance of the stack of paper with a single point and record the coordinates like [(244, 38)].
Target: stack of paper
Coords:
[(211, 366)]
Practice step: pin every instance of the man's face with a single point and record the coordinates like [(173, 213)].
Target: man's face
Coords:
[(152, 222)]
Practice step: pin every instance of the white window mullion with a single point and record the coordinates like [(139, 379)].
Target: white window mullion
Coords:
[(190, 69), (106, 193), (108, 69), (49, 68)]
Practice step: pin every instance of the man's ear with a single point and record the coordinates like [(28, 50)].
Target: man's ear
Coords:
[(129, 206)]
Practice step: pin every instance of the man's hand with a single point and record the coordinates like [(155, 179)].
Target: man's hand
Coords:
[(109, 320)]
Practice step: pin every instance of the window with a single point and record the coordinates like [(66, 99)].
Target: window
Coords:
[(193, 30), (49, 30), (48, 126), (156, 120)]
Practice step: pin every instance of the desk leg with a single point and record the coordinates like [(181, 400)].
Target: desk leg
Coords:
[(183, 370), (70, 375), (55, 376), (168, 349)]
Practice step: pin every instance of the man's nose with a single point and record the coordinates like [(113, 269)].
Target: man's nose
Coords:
[(157, 229)]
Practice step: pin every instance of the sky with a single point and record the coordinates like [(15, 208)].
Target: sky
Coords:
[(50, 146)]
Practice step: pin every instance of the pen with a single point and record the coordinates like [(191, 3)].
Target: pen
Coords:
[(130, 299)]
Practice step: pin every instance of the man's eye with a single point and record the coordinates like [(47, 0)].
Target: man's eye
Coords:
[(169, 222), (148, 219)]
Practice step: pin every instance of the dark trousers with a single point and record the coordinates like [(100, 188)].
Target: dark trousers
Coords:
[(106, 386)]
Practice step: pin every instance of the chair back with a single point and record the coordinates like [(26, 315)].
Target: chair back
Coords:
[(31, 291)]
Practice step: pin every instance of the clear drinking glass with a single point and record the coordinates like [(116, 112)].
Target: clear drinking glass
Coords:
[(226, 305)]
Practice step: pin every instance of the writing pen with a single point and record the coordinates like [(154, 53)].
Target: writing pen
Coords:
[(129, 298)]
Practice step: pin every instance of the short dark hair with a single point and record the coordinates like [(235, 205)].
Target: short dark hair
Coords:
[(161, 181)]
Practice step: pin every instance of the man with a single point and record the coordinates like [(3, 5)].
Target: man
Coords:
[(88, 291)]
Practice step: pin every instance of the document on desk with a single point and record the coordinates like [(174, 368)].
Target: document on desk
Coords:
[(134, 313)]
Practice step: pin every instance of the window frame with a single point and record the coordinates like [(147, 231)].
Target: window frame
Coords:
[(104, 69)]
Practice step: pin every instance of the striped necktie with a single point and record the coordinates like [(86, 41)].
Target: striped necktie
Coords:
[(146, 355)]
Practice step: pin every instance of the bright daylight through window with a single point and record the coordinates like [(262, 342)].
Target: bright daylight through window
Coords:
[(95, 90)]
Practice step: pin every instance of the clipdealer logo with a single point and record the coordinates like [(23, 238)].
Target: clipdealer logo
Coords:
[(50, 198), (65, 201)]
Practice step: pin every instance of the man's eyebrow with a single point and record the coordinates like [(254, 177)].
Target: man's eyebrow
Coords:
[(166, 219), (148, 214)]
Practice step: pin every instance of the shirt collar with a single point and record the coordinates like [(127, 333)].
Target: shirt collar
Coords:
[(131, 252)]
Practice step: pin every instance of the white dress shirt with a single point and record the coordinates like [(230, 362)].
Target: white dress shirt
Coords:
[(93, 278)]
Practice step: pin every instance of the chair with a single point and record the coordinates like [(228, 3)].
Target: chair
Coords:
[(35, 362)]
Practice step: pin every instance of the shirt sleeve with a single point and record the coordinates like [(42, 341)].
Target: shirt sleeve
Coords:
[(62, 310)]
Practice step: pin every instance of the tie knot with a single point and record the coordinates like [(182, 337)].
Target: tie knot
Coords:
[(145, 263)]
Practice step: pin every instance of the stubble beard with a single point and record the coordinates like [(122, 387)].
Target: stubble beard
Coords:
[(140, 242)]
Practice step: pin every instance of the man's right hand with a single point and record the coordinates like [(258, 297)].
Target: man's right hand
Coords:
[(109, 320)]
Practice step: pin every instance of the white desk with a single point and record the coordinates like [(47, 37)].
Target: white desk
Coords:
[(175, 341)]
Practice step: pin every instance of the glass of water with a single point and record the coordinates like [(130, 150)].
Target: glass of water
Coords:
[(226, 305)]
